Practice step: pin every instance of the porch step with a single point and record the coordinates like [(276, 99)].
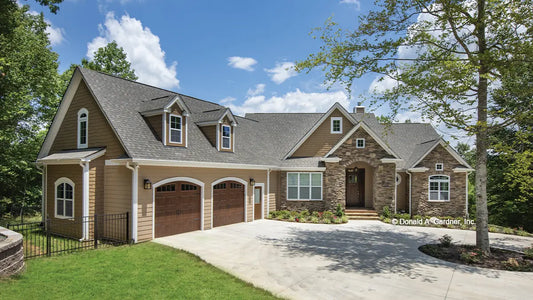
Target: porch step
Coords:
[(361, 214)]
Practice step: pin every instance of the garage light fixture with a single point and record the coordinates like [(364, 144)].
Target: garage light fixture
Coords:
[(147, 184), (252, 181)]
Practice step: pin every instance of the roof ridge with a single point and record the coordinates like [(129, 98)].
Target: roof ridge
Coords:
[(195, 98)]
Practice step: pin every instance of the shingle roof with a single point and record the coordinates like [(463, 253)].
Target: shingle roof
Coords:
[(262, 138)]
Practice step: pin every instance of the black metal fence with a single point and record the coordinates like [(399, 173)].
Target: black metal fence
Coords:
[(54, 236)]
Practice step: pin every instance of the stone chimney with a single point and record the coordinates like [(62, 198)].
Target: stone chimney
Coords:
[(359, 109)]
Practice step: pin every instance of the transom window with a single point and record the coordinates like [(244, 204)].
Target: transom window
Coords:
[(226, 137), (175, 129), (360, 143), (166, 188), (188, 187), (83, 118), (219, 186), (336, 125), (64, 198), (439, 188), (304, 186)]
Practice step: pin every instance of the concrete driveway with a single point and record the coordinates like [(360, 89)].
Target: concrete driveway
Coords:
[(357, 260)]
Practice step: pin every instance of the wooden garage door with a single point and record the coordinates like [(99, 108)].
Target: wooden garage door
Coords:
[(228, 203), (177, 208)]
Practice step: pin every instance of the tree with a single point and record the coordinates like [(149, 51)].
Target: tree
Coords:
[(29, 94), (445, 58)]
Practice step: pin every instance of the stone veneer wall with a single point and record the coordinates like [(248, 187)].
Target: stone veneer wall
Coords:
[(297, 205), (11, 253), (421, 205)]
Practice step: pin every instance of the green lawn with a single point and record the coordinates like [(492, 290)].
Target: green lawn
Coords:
[(141, 271)]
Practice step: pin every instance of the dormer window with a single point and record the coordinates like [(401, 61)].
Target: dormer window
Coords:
[(83, 119), (175, 133), (336, 125), (226, 137)]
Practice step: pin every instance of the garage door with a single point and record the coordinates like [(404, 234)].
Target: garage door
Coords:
[(177, 208), (228, 203)]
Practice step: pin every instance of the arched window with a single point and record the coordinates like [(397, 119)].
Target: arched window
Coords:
[(83, 121), (64, 198), (439, 188)]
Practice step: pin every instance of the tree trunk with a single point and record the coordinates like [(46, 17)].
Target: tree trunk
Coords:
[(482, 214)]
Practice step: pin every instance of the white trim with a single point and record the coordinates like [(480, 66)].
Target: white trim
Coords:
[(86, 120), (410, 191), (310, 186), (56, 183), (396, 191), (239, 180), (357, 143), (333, 119), (218, 137), (72, 161), (318, 123), (170, 129), (303, 169), (233, 137), (164, 128), (439, 190), (439, 167), (268, 192), (398, 176), (174, 179), (177, 99), (370, 132), (186, 130), (153, 112), (391, 160), (222, 137), (449, 149), (192, 164), (134, 199), (467, 214), (462, 170), (418, 170), (330, 159), (85, 191), (262, 185)]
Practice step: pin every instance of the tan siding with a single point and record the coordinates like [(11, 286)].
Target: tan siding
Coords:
[(117, 190), (176, 111), (274, 190), (210, 133), (100, 133), (156, 125), (207, 176), (322, 140)]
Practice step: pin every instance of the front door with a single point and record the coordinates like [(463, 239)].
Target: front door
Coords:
[(258, 201), (355, 187)]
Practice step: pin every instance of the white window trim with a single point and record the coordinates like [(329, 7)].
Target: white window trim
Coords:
[(439, 180), (86, 120), (439, 167), (398, 179), (310, 186), (170, 129), (340, 125), (222, 137), (58, 182), (357, 143)]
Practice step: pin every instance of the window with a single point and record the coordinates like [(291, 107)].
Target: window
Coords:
[(175, 129), (83, 118), (166, 188), (226, 137), (336, 125), (188, 187), (398, 179), (64, 198), (304, 186), (235, 186), (220, 186), (439, 167), (359, 143), (439, 188)]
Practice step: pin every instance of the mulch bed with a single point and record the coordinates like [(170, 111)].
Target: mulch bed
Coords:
[(498, 259)]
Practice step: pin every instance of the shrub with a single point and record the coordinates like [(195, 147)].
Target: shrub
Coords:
[(339, 212), (446, 241), (344, 219), (327, 214), (386, 212), (472, 256), (326, 221), (305, 213), (402, 216), (314, 219), (508, 230), (284, 214), (529, 252), (316, 214)]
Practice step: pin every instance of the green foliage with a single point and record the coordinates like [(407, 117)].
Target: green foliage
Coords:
[(528, 252), (339, 211), (386, 212), (445, 241), (471, 256), (326, 217), (29, 95)]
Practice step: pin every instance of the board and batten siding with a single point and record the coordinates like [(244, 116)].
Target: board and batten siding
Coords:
[(322, 140)]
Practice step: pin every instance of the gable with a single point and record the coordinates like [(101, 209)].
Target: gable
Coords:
[(372, 151), (100, 133), (322, 140), (439, 154)]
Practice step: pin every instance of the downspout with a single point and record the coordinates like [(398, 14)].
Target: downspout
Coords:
[(409, 173), (85, 207), (134, 198), (466, 198), (395, 192), (43, 191), (268, 194)]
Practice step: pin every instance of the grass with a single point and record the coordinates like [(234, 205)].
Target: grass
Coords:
[(147, 270), (16, 220)]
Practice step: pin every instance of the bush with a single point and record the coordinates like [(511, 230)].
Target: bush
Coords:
[(314, 219), (327, 214), (305, 213), (316, 214), (386, 212), (445, 241), (339, 212), (529, 252), (472, 256)]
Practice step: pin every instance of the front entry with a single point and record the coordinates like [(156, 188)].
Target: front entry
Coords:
[(355, 187), (258, 201)]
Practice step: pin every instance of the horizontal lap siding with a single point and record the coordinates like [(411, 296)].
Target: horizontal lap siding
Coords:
[(207, 176), (117, 191), (274, 190)]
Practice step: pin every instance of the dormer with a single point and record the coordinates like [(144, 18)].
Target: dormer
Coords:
[(168, 118), (218, 126)]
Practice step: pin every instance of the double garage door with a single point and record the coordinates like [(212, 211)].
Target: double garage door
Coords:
[(178, 206)]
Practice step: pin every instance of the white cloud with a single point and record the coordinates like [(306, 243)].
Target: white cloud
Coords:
[(142, 48), (282, 72), (296, 101), (227, 100), (357, 3), (55, 34), (243, 63), (259, 89)]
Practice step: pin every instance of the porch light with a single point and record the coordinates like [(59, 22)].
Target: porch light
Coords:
[(252, 181), (147, 184)]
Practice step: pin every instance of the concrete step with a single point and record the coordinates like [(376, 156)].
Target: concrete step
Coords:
[(361, 218), (361, 214)]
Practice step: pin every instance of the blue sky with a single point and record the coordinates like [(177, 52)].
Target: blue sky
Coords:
[(237, 53)]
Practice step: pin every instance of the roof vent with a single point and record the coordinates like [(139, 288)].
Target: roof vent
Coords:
[(359, 109)]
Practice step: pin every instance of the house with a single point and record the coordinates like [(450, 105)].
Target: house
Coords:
[(182, 164)]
